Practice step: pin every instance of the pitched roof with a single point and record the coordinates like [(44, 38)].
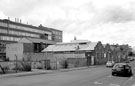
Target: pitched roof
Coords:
[(71, 46), (74, 42)]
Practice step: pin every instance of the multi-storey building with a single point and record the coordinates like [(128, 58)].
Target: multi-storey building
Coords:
[(12, 32), (56, 35)]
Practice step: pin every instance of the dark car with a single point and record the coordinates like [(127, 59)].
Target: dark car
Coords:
[(122, 68)]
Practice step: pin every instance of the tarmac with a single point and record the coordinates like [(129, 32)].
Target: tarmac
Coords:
[(41, 71)]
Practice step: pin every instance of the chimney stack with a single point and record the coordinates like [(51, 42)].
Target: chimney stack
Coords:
[(15, 19), (20, 21), (8, 18)]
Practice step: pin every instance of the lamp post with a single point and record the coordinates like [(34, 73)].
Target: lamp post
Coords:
[(109, 56), (45, 62), (56, 62)]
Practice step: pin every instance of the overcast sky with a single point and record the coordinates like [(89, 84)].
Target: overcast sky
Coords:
[(109, 21)]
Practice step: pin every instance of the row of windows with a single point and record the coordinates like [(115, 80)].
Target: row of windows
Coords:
[(3, 31), (3, 24), (24, 28), (18, 33), (57, 33), (58, 37), (23, 34), (7, 38), (26, 34)]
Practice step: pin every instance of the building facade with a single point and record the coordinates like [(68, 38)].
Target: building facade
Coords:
[(99, 54), (77, 53), (116, 53), (12, 32)]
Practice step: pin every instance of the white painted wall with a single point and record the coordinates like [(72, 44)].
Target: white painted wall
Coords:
[(14, 49)]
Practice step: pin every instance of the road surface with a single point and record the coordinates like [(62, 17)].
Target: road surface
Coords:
[(96, 76)]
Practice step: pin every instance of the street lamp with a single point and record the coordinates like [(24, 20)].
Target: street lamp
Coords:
[(46, 59), (109, 55)]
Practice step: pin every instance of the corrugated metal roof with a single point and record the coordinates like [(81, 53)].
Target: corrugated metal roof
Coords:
[(71, 47), (74, 42)]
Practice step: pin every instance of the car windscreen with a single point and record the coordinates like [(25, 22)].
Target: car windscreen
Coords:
[(121, 66)]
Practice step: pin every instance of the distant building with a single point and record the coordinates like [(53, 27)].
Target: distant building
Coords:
[(12, 32), (116, 53), (119, 52)]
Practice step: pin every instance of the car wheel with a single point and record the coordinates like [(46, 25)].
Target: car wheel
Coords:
[(130, 73)]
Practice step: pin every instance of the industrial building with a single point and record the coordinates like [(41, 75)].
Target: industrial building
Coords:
[(77, 53), (14, 31)]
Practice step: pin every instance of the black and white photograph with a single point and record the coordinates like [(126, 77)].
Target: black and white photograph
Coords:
[(67, 42)]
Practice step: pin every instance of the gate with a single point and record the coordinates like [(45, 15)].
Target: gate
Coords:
[(90, 58)]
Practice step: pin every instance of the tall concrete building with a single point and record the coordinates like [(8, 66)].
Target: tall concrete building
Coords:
[(14, 31)]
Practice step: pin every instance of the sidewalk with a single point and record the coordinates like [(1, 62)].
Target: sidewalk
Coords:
[(37, 72)]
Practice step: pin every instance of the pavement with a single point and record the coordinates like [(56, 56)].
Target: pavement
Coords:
[(41, 71)]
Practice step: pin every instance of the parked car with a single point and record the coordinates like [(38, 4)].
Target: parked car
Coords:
[(109, 63), (122, 68)]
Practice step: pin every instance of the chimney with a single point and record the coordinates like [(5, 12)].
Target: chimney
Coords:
[(75, 38), (15, 19), (8, 18), (20, 21)]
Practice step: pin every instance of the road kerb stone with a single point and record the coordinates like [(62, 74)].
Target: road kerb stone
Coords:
[(40, 72)]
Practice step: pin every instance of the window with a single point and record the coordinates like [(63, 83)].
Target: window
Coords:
[(9, 38), (3, 31), (25, 28), (3, 24), (49, 38)]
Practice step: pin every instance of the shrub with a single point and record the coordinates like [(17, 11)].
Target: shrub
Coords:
[(26, 64), (4, 69), (26, 67), (39, 65), (65, 64), (48, 68)]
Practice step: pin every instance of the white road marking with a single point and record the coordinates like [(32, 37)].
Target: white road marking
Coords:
[(114, 85), (97, 83)]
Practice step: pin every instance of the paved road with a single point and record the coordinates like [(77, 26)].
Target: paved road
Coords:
[(97, 76)]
